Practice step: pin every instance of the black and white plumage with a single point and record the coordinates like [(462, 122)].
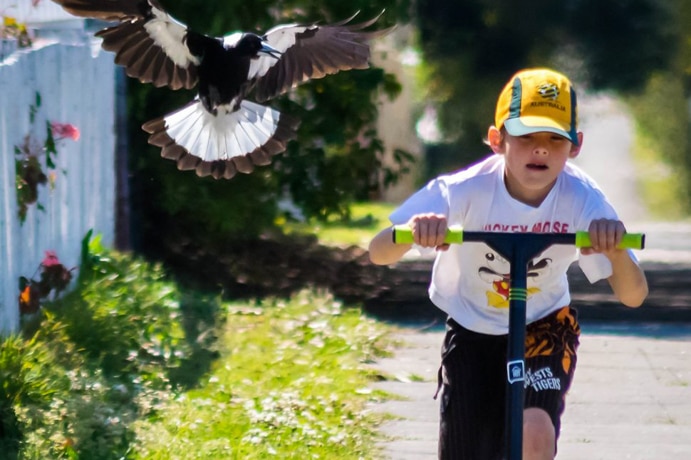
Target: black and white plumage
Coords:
[(221, 133)]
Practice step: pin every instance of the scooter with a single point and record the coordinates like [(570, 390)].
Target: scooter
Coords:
[(518, 249)]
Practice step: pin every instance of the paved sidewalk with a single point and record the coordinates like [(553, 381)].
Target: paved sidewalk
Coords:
[(631, 397)]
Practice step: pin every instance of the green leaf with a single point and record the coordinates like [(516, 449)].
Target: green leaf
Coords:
[(23, 282), (49, 146)]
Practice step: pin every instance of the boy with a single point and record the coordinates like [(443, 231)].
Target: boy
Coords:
[(527, 185)]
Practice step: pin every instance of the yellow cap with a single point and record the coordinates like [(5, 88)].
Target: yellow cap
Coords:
[(537, 100)]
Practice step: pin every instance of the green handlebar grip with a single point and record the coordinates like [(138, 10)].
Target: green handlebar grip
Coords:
[(402, 234), (628, 241)]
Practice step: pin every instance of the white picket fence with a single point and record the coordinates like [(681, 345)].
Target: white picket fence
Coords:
[(76, 85)]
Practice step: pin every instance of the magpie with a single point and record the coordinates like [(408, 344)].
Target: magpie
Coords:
[(220, 132)]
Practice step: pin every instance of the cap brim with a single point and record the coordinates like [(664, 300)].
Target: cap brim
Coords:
[(529, 125)]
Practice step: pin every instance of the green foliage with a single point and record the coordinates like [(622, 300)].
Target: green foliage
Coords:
[(28, 169), (136, 311), (365, 220), (624, 42), (26, 367), (663, 145), (663, 128), (89, 421), (334, 161), (29, 377), (337, 158), (484, 37)]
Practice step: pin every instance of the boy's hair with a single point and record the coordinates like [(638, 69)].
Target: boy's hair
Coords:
[(537, 100)]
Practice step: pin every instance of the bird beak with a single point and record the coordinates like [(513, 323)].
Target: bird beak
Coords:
[(270, 50)]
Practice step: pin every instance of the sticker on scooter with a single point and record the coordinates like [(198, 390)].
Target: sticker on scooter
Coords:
[(515, 371)]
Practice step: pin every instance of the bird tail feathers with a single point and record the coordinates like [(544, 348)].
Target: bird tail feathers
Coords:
[(225, 143)]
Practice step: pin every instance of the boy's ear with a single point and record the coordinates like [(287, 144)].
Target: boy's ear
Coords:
[(495, 139), (576, 149)]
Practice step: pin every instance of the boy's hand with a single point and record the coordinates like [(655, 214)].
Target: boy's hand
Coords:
[(605, 236), (429, 230)]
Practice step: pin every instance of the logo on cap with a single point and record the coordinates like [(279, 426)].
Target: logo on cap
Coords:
[(548, 91)]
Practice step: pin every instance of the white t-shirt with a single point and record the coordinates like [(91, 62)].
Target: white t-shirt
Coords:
[(470, 281)]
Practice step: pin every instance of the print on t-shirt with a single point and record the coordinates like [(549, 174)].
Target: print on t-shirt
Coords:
[(496, 271)]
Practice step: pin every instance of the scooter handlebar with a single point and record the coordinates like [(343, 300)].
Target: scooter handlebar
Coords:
[(402, 234)]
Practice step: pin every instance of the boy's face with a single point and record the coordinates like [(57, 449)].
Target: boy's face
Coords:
[(533, 162)]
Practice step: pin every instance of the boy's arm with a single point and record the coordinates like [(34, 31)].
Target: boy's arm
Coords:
[(429, 231), (382, 249), (628, 281)]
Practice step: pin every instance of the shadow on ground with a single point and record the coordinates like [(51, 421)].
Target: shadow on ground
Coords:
[(281, 266)]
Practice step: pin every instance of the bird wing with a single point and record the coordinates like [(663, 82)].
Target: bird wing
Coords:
[(309, 52), (148, 42)]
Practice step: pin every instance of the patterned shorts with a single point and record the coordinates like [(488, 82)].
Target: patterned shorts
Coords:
[(472, 380)]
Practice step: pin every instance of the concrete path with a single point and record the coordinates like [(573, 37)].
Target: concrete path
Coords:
[(412, 435), (631, 396)]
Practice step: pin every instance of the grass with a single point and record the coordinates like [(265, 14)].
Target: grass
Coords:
[(290, 383), (366, 220)]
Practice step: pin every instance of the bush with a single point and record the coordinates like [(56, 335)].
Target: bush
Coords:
[(97, 359), (135, 310), (29, 378)]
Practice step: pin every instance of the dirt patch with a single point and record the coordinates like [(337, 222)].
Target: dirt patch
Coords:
[(277, 266)]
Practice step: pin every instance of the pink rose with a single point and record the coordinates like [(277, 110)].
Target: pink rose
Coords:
[(64, 130), (50, 260)]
